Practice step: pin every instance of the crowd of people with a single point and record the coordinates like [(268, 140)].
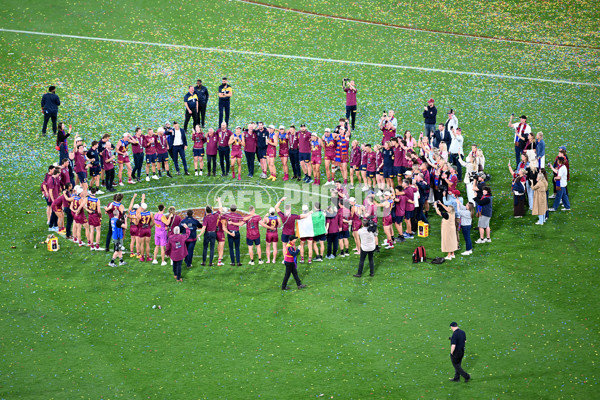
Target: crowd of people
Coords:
[(402, 177)]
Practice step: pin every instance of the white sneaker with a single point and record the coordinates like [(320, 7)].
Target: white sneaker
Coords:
[(385, 242), (365, 188), (565, 209), (263, 175), (448, 258), (552, 196), (99, 192), (154, 177), (479, 241), (273, 262), (163, 263), (261, 262), (379, 193), (200, 173), (467, 253), (551, 209), (539, 223), (147, 179), (196, 173), (488, 240), (155, 261), (250, 262), (220, 263), (121, 184)]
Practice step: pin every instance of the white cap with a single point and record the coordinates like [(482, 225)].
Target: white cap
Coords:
[(126, 134), (79, 139), (136, 206), (304, 207), (387, 193), (161, 129), (79, 190), (272, 126), (327, 130), (55, 164), (352, 200), (76, 188), (144, 206), (408, 173), (271, 210), (281, 127)]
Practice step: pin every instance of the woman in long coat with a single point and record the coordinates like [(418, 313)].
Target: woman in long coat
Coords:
[(540, 197), (449, 241)]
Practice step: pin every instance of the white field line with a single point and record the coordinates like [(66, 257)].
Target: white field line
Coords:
[(295, 57)]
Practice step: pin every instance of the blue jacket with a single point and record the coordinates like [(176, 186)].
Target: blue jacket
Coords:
[(540, 149), (171, 138), (486, 206)]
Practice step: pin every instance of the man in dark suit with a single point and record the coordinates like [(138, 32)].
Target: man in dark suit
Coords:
[(50, 103), (439, 136), (202, 94), (457, 352), (178, 142)]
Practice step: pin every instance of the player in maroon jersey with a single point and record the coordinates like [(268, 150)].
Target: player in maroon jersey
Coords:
[(94, 220), (271, 222), (133, 227), (146, 221), (212, 141), (330, 145), (355, 160), (123, 157), (79, 219), (236, 141), (149, 144), (162, 152), (58, 206), (284, 151), (198, 139), (356, 214), (253, 221), (316, 146), (272, 140)]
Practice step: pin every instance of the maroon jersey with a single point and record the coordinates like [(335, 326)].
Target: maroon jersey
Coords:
[(224, 137), (136, 148), (64, 177), (58, 203), (233, 217), (304, 141), (79, 162), (108, 165), (250, 141), (398, 156), (150, 144), (344, 214), (211, 145), (252, 226), (210, 221), (387, 135), (334, 224), (400, 206), (315, 151), (199, 140), (371, 162), (409, 193), (289, 223), (379, 160), (160, 142), (283, 145), (355, 160), (330, 146), (364, 156), (293, 140)]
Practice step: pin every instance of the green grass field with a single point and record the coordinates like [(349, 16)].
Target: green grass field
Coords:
[(71, 327)]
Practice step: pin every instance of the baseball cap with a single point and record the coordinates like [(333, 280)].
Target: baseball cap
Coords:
[(281, 127), (272, 126), (144, 206), (456, 192), (304, 207), (563, 148), (136, 206), (453, 324), (327, 130), (408, 173), (313, 134), (271, 210), (430, 100), (238, 127), (352, 200), (387, 193)]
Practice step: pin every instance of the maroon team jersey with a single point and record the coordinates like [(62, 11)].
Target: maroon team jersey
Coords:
[(79, 162), (224, 137), (250, 141), (108, 165), (293, 140), (210, 221), (233, 217), (160, 143), (211, 145), (409, 193), (136, 148), (289, 223), (150, 144), (198, 139), (304, 141), (387, 135), (252, 231)]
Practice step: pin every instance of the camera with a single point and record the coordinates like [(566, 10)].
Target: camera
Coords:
[(371, 224), (473, 176)]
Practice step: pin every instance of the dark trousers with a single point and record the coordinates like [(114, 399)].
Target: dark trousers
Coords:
[(223, 108), (290, 269), (62, 153), (177, 268), (466, 231), (109, 178), (295, 161), (202, 112), (108, 237), (351, 114), (361, 262), (188, 115), (179, 151), (69, 222), (53, 220), (138, 162), (190, 255), (209, 239), (454, 160), (518, 152), (519, 206), (224, 159), (332, 243), (212, 163), (48, 116), (419, 213), (456, 359), (250, 161), (234, 247)]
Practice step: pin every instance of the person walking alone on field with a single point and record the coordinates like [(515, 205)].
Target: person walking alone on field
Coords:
[(291, 268), (457, 352), (50, 103)]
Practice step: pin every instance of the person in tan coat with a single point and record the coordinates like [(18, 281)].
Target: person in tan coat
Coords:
[(540, 197), (449, 241)]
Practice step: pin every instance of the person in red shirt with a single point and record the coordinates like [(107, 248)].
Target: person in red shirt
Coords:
[(250, 139), (236, 141), (210, 224), (162, 152), (409, 193), (198, 139), (94, 220), (282, 138), (271, 141), (355, 159), (387, 128), (78, 206), (108, 163), (350, 89), (123, 157), (271, 222), (145, 222), (177, 250), (137, 143), (253, 223), (211, 151), (224, 135), (150, 146), (330, 145), (58, 206), (231, 226), (288, 220), (304, 149)]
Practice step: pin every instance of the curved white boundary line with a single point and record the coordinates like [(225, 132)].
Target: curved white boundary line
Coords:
[(287, 56)]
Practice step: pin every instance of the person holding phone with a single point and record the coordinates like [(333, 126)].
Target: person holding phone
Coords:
[(350, 88)]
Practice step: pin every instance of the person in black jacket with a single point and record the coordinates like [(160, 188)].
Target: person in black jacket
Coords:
[(457, 352), (429, 115), (50, 103), (441, 135), (202, 93)]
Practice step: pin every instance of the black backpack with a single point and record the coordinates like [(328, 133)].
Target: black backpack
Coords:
[(419, 255)]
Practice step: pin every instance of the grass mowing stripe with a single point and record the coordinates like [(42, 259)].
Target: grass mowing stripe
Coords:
[(289, 56)]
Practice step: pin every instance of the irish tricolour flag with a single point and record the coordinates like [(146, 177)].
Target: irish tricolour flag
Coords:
[(311, 226)]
